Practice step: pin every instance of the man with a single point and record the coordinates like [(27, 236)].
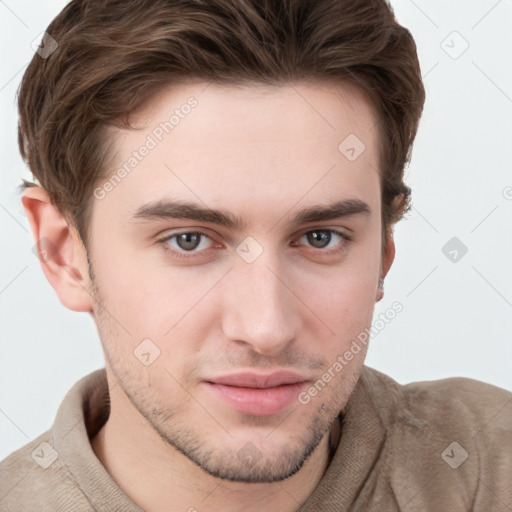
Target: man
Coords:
[(218, 183)]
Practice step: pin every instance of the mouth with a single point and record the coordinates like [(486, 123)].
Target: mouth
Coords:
[(257, 394)]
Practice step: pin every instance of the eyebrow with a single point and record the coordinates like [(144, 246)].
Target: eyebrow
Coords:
[(170, 209)]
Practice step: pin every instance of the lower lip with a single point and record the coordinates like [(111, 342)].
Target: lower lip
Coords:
[(257, 401)]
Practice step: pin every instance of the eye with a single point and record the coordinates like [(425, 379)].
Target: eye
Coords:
[(324, 239), (188, 244), (190, 241)]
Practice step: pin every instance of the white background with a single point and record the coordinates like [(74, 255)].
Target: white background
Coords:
[(457, 317)]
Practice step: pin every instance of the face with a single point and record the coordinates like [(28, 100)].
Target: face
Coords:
[(235, 259)]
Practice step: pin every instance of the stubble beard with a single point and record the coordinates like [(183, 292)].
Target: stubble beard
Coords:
[(223, 462)]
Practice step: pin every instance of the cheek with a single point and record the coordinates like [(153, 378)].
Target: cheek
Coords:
[(346, 308), (158, 302), (343, 295), (344, 301)]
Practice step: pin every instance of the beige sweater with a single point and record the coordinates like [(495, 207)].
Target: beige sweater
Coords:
[(441, 446)]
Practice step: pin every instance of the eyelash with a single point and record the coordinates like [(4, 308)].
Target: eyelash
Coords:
[(346, 240)]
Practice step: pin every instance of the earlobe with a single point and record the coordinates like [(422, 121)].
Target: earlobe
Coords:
[(61, 252), (380, 290)]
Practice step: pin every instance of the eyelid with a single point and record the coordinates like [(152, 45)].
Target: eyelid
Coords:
[(336, 230)]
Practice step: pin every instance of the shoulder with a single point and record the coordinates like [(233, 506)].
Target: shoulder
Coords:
[(466, 403), (34, 478), (42, 475), (446, 436)]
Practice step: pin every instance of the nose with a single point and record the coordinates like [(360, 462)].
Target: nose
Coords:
[(258, 307)]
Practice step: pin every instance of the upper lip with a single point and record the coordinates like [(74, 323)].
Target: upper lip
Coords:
[(257, 380)]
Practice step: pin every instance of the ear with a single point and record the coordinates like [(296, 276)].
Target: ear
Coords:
[(61, 252), (386, 261)]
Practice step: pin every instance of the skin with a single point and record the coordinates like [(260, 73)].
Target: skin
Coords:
[(262, 153)]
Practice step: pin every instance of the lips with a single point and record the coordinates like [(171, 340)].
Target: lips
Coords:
[(254, 380), (257, 394)]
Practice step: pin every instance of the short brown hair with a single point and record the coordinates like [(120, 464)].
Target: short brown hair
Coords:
[(114, 54)]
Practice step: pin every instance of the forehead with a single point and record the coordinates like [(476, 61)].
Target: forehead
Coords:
[(295, 109), (277, 145)]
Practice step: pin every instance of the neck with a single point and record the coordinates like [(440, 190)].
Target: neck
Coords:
[(157, 477)]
